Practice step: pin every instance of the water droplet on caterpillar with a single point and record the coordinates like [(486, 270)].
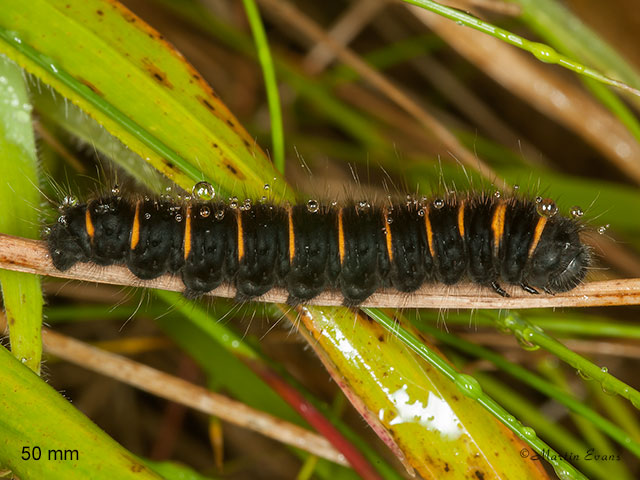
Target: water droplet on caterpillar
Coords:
[(68, 201), (62, 220), (576, 211), (363, 206), (203, 191), (516, 187), (219, 215), (497, 194), (46, 231), (247, 205), (205, 211), (178, 217), (538, 199), (421, 212), (546, 208), (115, 190), (313, 206), (233, 203), (267, 186), (438, 203), (147, 216), (389, 220), (602, 229)]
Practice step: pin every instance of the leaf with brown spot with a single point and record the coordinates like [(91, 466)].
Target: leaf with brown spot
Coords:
[(126, 66)]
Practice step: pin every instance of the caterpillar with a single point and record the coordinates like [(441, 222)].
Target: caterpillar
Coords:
[(307, 248)]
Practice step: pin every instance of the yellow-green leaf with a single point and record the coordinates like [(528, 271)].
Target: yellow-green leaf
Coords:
[(124, 74), (20, 198), (44, 436), (419, 413)]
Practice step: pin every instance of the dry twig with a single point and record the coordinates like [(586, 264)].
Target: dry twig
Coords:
[(180, 391), (31, 256)]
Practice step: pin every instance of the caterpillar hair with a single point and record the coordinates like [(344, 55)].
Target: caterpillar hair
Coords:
[(307, 248)]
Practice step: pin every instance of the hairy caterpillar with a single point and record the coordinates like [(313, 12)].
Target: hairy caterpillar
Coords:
[(307, 248)]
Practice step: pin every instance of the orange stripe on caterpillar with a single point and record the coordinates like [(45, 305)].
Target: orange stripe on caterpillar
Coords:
[(387, 234), (187, 234), (240, 235), (497, 226), (135, 228)]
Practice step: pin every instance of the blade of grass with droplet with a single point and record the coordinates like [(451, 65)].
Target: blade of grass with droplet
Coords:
[(173, 118), (542, 52), (594, 438), (576, 405), (564, 30), (421, 415), (471, 388), (20, 200), (570, 323), (557, 435)]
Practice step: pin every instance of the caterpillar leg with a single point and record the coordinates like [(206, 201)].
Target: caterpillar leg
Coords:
[(529, 289), (499, 290)]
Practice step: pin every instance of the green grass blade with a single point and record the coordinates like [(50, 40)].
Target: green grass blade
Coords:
[(565, 31), (542, 52), (20, 196), (558, 436), (35, 415), (536, 337), (271, 85)]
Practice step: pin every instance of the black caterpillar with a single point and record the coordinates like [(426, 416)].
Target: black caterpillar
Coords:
[(356, 248)]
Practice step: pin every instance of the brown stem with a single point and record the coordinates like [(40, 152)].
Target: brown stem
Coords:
[(180, 391), (31, 256)]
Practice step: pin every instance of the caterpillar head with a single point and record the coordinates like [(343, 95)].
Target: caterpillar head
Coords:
[(560, 260)]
